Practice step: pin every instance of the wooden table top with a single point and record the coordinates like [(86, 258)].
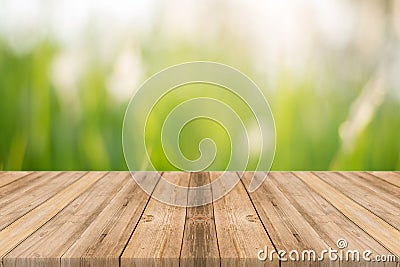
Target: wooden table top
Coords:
[(105, 219)]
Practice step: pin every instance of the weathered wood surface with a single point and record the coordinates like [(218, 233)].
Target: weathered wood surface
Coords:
[(105, 219)]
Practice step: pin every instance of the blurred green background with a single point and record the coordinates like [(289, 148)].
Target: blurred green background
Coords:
[(329, 69)]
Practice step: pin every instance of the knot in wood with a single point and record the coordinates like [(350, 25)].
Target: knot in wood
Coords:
[(147, 218), (252, 218), (200, 218)]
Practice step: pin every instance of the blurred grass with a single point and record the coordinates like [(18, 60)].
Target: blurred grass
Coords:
[(42, 130)]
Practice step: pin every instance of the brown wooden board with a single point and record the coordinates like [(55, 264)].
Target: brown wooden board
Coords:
[(106, 219)]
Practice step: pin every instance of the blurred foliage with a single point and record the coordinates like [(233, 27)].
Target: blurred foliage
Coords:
[(41, 129)]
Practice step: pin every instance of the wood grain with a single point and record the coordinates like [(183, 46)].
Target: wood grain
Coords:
[(380, 230), (379, 197), (15, 233), (286, 225), (9, 177), (199, 244), (105, 219), (157, 238), (47, 245), (390, 177), (240, 232), (19, 188), (13, 206), (325, 219), (105, 238)]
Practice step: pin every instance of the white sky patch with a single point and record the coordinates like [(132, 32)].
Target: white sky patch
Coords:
[(336, 21), (22, 23), (68, 21)]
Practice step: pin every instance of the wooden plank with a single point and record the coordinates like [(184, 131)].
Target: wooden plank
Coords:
[(286, 225), (374, 194), (327, 221), (100, 217), (298, 218), (15, 205), (17, 189), (240, 232), (157, 238), (50, 242), (380, 230), (18, 231), (9, 177), (390, 177), (105, 238), (199, 245)]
